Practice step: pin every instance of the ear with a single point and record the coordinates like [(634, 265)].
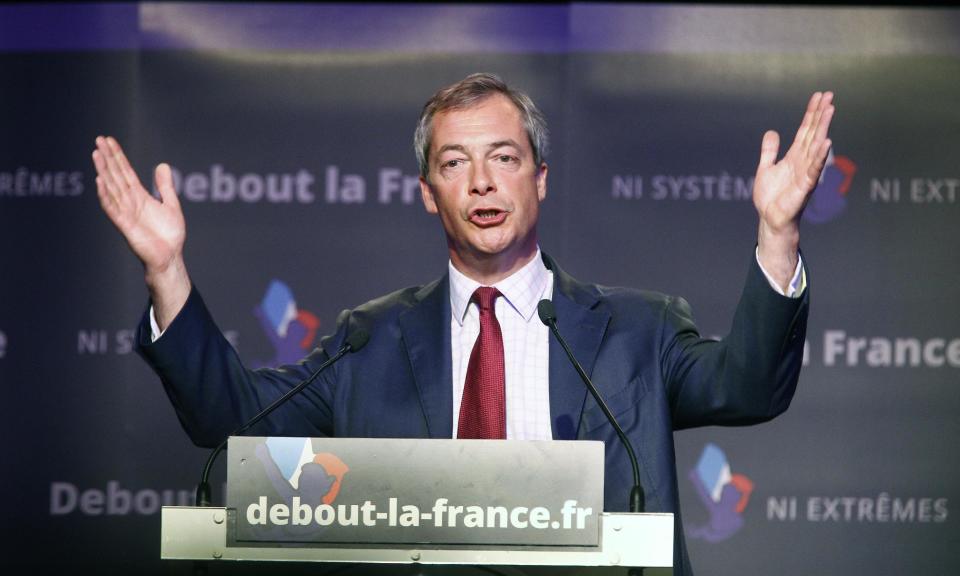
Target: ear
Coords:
[(429, 202), (542, 181)]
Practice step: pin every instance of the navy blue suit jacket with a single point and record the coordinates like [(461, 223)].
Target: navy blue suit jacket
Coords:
[(641, 349)]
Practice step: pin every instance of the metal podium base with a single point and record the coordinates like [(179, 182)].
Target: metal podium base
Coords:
[(627, 540)]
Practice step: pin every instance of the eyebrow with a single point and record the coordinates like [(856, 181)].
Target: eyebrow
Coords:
[(491, 146)]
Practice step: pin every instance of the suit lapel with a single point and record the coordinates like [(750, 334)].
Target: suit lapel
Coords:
[(583, 328), (425, 329)]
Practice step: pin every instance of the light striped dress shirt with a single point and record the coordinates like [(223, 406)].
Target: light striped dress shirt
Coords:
[(526, 345)]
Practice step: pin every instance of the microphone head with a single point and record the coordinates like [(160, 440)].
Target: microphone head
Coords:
[(357, 339), (546, 312)]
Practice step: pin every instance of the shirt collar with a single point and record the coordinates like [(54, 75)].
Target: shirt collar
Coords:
[(522, 290)]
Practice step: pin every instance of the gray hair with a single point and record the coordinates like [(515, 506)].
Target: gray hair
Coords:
[(472, 90)]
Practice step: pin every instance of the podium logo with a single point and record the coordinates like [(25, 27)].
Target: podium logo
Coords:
[(295, 470), (829, 199), (725, 496), (291, 331)]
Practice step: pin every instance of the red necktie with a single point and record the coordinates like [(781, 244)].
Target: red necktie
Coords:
[(483, 412)]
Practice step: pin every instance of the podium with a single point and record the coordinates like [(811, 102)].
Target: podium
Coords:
[(438, 506)]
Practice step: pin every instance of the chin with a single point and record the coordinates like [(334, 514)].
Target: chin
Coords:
[(492, 246)]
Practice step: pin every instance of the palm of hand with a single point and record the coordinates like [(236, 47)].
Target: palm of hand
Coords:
[(781, 189), (155, 230)]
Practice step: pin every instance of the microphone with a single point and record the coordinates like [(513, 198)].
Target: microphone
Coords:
[(549, 317), (355, 341)]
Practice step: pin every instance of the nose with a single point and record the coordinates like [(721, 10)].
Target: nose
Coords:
[(481, 182)]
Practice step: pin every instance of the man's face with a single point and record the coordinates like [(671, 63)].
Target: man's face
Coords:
[(485, 186)]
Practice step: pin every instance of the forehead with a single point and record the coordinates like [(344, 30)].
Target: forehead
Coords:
[(493, 119)]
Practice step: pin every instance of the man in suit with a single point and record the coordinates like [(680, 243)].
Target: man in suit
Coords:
[(480, 146)]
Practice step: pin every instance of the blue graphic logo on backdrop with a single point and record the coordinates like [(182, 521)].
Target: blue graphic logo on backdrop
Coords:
[(295, 469), (725, 496), (829, 200), (290, 331)]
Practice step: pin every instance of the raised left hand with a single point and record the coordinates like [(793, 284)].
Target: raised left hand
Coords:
[(781, 189)]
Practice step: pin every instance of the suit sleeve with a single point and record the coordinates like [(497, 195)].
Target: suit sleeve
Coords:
[(748, 377), (214, 394)]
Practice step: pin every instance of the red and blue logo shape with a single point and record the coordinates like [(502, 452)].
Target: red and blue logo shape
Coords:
[(725, 496), (829, 199), (295, 469), (291, 331)]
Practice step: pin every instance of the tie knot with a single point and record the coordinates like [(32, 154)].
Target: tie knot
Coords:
[(484, 297)]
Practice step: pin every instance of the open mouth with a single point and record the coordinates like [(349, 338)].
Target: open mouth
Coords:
[(488, 216)]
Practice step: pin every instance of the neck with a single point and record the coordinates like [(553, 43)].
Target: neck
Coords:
[(488, 269)]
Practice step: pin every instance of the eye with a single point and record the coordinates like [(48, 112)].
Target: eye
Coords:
[(452, 163), (506, 159)]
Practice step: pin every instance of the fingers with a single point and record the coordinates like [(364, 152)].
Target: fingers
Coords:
[(115, 169), (811, 145), (811, 119), (808, 119), (816, 130), (163, 180), (111, 180), (121, 195), (107, 190), (823, 123), (818, 146), (819, 160), (107, 201), (769, 148), (118, 163)]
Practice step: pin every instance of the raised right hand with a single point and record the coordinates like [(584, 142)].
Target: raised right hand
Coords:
[(154, 229)]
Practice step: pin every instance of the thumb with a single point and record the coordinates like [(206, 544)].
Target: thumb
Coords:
[(163, 180), (769, 148)]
